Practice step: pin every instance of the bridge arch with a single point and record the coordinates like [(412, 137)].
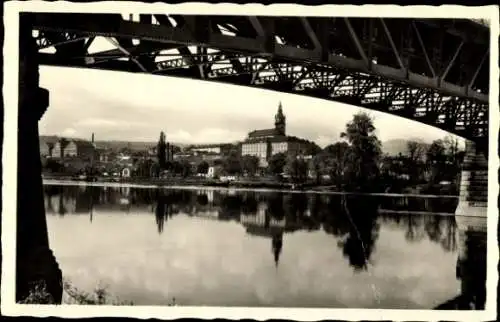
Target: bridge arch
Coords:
[(398, 70)]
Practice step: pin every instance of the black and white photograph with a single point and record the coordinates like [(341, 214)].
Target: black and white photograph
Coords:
[(250, 160)]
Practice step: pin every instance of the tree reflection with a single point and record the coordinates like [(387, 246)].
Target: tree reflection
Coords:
[(352, 220), (363, 231), (414, 232), (160, 211), (275, 205)]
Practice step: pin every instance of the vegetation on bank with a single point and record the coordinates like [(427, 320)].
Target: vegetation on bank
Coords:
[(72, 295), (356, 163)]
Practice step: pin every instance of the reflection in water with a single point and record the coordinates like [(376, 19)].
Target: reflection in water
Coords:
[(471, 269), (354, 222)]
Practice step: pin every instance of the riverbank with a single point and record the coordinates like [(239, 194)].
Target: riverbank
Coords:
[(190, 181), (75, 296), (232, 187)]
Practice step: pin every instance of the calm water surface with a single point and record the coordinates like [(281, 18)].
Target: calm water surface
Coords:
[(235, 248)]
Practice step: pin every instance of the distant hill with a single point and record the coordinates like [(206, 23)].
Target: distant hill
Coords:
[(49, 138), (109, 144), (117, 145), (396, 146)]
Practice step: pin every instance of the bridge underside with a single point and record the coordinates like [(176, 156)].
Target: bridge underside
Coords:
[(432, 71), (429, 70)]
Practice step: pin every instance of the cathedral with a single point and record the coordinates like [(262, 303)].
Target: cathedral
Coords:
[(268, 142)]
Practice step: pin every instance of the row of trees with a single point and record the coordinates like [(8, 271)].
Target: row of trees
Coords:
[(422, 163), (357, 162)]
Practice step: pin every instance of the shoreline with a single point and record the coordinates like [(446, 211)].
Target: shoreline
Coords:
[(231, 187)]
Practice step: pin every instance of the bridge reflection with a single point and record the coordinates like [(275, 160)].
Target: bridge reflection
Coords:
[(354, 220), (471, 265)]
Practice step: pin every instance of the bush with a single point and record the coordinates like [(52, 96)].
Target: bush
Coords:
[(72, 295)]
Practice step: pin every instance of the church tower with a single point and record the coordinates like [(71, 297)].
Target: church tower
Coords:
[(280, 121)]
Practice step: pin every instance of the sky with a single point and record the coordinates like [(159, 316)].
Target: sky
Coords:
[(136, 107)]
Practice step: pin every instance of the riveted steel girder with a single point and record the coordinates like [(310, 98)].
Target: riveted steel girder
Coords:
[(431, 70)]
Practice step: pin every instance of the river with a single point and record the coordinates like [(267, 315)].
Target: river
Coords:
[(229, 247)]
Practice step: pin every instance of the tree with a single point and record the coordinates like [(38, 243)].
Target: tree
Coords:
[(176, 167), (185, 168), (232, 164), (296, 168), (336, 157), (161, 151), (54, 166), (250, 164), (454, 158), (155, 170), (414, 160), (63, 142), (312, 149), (202, 167), (450, 143), (276, 164), (363, 157), (436, 160), (315, 165), (415, 150)]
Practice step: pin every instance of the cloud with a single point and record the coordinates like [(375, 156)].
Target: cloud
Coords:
[(206, 135), (69, 132), (219, 264), (127, 106)]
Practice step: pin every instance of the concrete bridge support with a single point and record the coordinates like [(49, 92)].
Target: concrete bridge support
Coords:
[(35, 263)]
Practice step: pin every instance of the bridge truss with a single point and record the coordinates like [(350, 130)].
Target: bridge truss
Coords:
[(435, 71)]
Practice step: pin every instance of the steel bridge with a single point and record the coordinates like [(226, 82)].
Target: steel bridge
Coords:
[(435, 71)]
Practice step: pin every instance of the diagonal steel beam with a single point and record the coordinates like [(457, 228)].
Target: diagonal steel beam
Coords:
[(310, 33), (117, 45), (64, 42), (255, 22), (356, 41), (424, 50), (452, 61), (88, 43), (473, 79), (393, 45), (90, 26)]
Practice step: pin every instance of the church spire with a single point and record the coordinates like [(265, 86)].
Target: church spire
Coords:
[(280, 121)]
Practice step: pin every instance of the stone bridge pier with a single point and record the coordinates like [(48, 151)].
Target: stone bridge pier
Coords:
[(471, 219), (474, 181), (35, 263)]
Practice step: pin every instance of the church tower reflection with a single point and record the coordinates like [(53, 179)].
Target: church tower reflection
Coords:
[(277, 245)]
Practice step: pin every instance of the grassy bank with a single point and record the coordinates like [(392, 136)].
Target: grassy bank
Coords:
[(74, 296)]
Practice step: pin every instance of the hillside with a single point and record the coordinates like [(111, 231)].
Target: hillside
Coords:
[(396, 146), (109, 144)]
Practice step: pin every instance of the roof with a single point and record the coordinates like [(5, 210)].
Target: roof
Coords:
[(209, 145), (49, 139), (82, 143), (260, 133), (275, 139)]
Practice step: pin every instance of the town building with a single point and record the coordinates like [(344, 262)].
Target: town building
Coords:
[(216, 148), (169, 152), (73, 148), (268, 142), (46, 149)]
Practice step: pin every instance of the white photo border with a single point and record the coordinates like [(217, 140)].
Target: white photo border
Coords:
[(9, 159)]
